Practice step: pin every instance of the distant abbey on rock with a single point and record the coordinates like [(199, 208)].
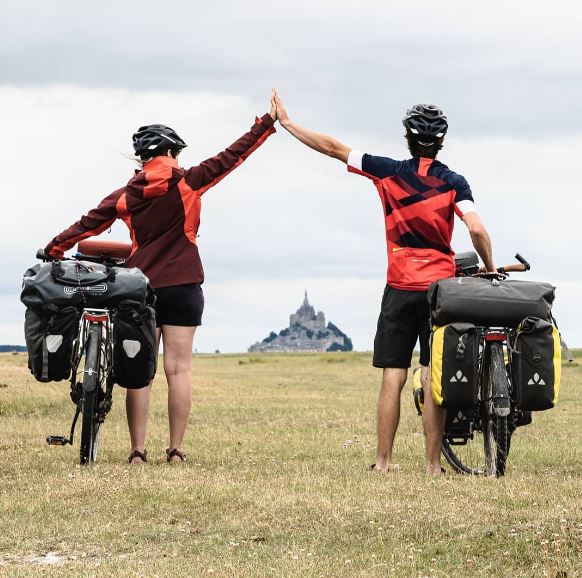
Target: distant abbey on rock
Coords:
[(306, 332)]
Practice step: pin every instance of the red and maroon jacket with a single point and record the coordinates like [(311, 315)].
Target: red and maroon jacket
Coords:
[(161, 207)]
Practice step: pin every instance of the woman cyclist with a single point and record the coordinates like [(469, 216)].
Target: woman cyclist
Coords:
[(161, 207)]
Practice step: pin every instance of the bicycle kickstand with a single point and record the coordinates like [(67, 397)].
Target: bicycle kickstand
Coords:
[(63, 440)]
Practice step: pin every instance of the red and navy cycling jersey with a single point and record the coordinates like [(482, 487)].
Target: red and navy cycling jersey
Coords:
[(420, 197)]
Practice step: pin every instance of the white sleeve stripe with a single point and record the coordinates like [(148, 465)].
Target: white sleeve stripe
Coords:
[(355, 159), (466, 207)]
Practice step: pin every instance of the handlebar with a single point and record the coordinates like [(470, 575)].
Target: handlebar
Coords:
[(522, 267), (42, 256), (467, 264)]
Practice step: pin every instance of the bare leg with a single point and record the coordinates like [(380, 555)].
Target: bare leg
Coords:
[(393, 381), (137, 403), (433, 421), (178, 369)]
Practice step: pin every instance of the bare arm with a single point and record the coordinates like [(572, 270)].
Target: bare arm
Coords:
[(480, 239), (322, 143)]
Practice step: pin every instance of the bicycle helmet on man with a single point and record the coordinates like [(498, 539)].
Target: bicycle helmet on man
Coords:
[(426, 122)]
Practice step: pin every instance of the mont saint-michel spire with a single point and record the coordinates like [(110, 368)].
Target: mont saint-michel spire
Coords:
[(307, 331)]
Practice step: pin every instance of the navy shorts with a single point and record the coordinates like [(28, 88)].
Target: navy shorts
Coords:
[(404, 318), (180, 305)]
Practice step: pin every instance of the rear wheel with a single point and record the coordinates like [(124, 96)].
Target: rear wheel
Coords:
[(495, 415), (465, 454), (91, 387)]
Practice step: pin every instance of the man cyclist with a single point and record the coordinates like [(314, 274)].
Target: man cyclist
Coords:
[(420, 197)]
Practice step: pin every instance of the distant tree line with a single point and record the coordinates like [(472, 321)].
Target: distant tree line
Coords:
[(10, 348)]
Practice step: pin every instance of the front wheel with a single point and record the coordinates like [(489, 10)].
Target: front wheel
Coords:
[(495, 429), (91, 387)]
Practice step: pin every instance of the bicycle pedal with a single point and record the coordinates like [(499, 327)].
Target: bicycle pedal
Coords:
[(57, 441)]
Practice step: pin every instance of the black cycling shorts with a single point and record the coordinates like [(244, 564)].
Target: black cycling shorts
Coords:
[(404, 318), (179, 305)]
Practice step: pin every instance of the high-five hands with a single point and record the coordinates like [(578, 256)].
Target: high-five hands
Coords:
[(281, 112), (273, 111)]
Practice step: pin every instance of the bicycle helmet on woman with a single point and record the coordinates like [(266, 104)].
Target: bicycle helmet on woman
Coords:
[(426, 122), (152, 138)]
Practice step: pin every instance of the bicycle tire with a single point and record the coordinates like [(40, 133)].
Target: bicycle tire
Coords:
[(89, 425), (495, 430), (466, 459)]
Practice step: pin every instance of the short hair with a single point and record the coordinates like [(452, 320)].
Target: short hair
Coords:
[(418, 150)]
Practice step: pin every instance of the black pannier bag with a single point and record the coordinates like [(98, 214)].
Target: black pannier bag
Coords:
[(536, 365), (458, 423), (455, 365), (50, 333), (83, 284), (134, 344), (487, 302)]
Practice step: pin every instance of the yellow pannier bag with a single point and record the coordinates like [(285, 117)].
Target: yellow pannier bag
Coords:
[(454, 365), (536, 365)]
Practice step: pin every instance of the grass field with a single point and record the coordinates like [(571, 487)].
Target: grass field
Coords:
[(276, 483)]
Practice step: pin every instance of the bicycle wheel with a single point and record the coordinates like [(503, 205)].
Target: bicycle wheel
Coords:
[(91, 387), (462, 444), (495, 430)]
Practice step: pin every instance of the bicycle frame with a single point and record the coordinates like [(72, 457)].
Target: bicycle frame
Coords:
[(90, 316)]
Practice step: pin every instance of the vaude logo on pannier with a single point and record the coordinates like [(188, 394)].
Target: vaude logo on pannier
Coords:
[(459, 417), (91, 289), (458, 377), (536, 380)]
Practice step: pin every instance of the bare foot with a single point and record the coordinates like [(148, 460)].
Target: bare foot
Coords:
[(388, 468)]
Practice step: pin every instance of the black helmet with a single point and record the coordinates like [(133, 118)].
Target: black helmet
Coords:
[(427, 122), (149, 138)]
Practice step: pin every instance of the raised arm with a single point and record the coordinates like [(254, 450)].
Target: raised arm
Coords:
[(209, 172), (93, 223), (480, 239), (322, 143)]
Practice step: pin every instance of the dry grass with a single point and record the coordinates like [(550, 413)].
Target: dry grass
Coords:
[(276, 484)]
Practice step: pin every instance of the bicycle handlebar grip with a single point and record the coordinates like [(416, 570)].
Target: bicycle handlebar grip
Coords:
[(523, 261), (40, 254), (515, 267)]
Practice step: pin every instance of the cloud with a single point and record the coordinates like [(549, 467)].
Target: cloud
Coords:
[(502, 69)]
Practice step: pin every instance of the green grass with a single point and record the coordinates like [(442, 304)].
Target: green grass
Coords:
[(276, 483)]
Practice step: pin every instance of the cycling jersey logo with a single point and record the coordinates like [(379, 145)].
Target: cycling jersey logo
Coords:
[(91, 289), (458, 377), (536, 380)]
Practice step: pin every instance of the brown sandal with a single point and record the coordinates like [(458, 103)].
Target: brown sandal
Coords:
[(143, 456), (175, 453)]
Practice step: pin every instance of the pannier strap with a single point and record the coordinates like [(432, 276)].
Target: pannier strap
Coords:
[(461, 346), (144, 328), (57, 270), (45, 367)]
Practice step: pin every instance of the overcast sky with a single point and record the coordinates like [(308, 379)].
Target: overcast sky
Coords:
[(77, 78)]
